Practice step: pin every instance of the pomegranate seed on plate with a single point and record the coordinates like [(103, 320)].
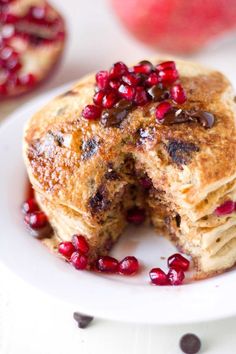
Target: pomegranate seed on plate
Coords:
[(126, 92), (177, 261), (102, 79), (158, 277), (107, 264), (128, 266), (80, 244), (162, 109), (136, 216), (66, 249), (91, 112), (226, 208), (178, 94), (29, 206), (79, 261), (36, 220), (175, 276)]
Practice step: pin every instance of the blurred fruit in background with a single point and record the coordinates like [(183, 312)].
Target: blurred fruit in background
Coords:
[(178, 26), (32, 35)]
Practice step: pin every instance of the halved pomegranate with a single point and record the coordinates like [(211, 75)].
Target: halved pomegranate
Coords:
[(31, 40)]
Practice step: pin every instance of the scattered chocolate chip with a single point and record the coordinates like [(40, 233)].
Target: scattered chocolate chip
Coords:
[(99, 202), (57, 137), (190, 343), (114, 117), (90, 148), (43, 232), (82, 320), (178, 220), (181, 151), (176, 116), (158, 94), (111, 175)]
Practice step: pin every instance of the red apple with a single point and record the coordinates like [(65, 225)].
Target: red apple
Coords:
[(180, 26)]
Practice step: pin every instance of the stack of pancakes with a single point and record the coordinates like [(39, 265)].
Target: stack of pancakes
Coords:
[(86, 176)]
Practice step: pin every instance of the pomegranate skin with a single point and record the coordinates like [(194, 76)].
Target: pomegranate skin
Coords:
[(170, 24)]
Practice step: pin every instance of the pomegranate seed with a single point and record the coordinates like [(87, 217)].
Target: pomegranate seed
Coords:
[(168, 75), (8, 31), (175, 276), (177, 261), (146, 182), (162, 109), (226, 208), (166, 65), (102, 79), (80, 243), (131, 79), (152, 79), (178, 94), (118, 70), (136, 216), (141, 96), (158, 277), (126, 92), (29, 206), (91, 112), (36, 220), (144, 67), (98, 96), (109, 99), (114, 84), (66, 249), (8, 18), (128, 266), (27, 80), (107, 264), (79, 261)]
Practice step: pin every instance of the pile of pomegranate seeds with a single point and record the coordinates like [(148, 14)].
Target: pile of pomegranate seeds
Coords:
[(76, 251), (18, 34), (226, 208), (177, 266), (138, 85)]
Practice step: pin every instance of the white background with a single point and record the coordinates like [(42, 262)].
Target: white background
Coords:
[(32, 322)]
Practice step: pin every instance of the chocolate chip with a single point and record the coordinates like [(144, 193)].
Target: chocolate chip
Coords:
[(190, 343), (82, 320), (99, 202), (178, 220), (157, 93), (181, 151), (90, 148), (206, 119), (114, 117), (175, 116), (70, 93)]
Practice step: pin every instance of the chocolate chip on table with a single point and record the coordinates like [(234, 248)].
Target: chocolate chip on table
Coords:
[(82, 320), (190, 344)]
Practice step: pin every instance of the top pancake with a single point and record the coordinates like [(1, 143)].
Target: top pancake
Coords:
[(68, 156)]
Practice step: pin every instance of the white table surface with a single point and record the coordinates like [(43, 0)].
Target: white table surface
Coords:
[(32, 322)]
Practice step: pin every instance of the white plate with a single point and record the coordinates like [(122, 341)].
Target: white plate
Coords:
[(113, 297)]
